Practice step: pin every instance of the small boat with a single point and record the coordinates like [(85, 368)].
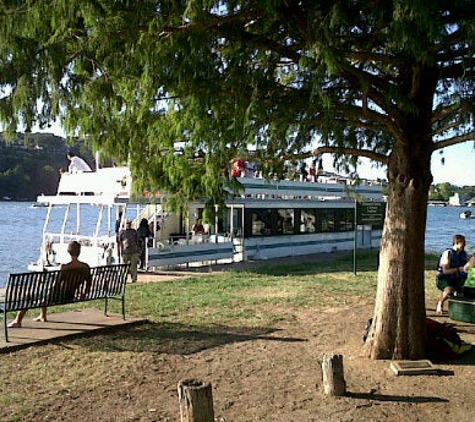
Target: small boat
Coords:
[(466, 215), (39, 205)]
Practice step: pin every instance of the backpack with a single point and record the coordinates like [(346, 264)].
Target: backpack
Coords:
[(443, 342)]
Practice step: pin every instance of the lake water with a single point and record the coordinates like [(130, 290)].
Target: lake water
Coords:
[(22, 228)]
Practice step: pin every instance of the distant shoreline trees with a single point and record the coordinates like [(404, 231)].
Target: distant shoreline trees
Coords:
[(443, 191), (29, 166)]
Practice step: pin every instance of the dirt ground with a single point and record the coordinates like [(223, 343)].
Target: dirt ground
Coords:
[(274, 374)]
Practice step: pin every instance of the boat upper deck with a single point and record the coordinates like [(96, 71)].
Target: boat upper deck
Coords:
[(287, 189), (107, 185), (113, 185)]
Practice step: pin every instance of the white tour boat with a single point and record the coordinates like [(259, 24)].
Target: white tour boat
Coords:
[(268, 219)]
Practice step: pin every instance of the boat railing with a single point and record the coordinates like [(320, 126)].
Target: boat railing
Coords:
[(174, 242), (84, 240), (287, 189), (191, 251)]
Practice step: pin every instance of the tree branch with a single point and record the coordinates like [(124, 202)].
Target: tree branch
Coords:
[(358, 78), (381, 158), (369, 56), (219, 24), (441, 113), (465, 69), (446, 128), (212, 22), (453, 141), (365, 113)]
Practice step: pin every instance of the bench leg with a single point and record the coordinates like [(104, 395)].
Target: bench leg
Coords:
[(5, 326)]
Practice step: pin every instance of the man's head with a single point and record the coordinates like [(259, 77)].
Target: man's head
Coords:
[(128, 224), (459, 241), (74, 248)]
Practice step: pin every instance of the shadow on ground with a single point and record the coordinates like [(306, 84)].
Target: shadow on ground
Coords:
[(398, 399), (179, 339)]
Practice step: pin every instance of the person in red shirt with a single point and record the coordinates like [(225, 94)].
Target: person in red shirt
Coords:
[(238, 167)]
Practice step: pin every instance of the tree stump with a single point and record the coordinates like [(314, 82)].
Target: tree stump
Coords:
[(333, 377), (196, 401)]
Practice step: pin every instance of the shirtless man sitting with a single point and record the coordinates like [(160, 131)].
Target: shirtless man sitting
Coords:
[(75, 273)]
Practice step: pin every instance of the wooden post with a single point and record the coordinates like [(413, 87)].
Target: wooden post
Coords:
[(196, 401), (333, 376)]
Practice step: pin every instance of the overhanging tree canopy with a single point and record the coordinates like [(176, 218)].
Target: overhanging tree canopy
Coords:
[(392, 81)]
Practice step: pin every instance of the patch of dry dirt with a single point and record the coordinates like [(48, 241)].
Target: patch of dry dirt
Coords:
[(276, 376)]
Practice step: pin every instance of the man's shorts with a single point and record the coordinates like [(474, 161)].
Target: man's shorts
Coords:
[(442, 283)]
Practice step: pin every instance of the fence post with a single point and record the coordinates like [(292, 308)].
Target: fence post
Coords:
[(333, 377), (196, 401)]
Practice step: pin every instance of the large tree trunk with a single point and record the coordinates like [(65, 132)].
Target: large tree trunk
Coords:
[(399, 320)]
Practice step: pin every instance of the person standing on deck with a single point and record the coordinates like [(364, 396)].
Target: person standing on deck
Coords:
[(77, 164)]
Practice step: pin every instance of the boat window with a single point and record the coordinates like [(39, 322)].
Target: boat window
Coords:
[(285, 222), (327, 221), (308, 221), (261, 222), (268, 222), (347, 220), (237, 222)]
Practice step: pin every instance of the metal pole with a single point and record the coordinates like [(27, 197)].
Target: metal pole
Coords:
[(355, 245)]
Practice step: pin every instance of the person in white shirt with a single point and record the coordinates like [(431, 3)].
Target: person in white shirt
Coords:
[(77, 165)]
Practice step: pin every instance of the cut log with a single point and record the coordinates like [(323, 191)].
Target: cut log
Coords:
[(333, 376), (196, 401)]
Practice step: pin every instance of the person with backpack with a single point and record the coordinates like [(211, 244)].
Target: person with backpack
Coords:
[(452, 268), (144, 234)]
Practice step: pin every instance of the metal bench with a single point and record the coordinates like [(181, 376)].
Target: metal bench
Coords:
[(50, 288)]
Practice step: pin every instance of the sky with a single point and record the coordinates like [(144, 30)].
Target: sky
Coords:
[(458, 168)]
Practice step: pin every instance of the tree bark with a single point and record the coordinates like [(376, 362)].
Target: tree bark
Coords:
[(196, 401), (399, 320), (333, 375)]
